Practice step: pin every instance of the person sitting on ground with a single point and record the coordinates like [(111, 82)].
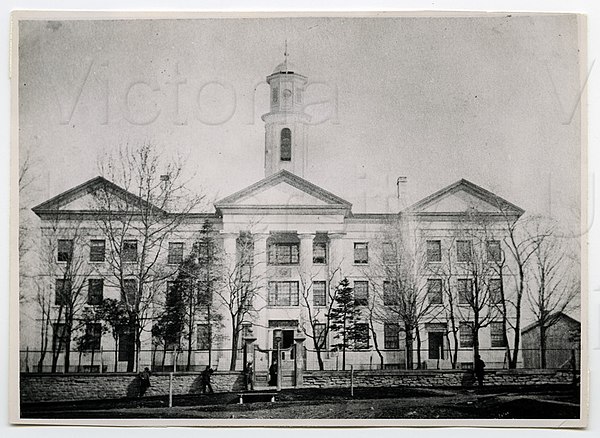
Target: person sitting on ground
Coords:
[(205, 380)]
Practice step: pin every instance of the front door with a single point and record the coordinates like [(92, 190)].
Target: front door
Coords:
[(436, 345), (287, 341)]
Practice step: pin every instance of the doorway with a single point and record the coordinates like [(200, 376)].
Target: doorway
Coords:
[(436, 345)]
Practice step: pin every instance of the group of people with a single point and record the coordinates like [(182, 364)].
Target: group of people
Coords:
[(205, 384)]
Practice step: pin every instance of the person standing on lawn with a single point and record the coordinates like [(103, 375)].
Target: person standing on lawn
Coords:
[(479, 366), (144, 381), (205, 380)]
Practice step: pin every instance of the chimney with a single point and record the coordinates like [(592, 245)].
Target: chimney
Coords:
[(401, 183)]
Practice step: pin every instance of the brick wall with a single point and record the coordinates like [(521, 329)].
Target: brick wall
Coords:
[(65, 387)]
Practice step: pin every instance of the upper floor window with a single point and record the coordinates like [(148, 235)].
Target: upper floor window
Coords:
[(434, 251), (129, 292), (283, 293), (319, 252), (389, 252), (463, 250), (63, 292), (495, 291), (286, 144), (390, 296), (283, 253), (130, 251), (175, 256), (434, 291), (319, 293), (361, 253), (361, 293), (494, 251), (465, 291), (65, 250), (95, 291), (97, 250)]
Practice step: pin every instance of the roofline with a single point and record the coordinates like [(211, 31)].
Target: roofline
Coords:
[(463, 182), (44, 206), (229, 200), (536, 324)]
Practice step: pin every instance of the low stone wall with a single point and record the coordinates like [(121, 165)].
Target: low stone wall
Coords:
[(68, 387), (429, 378)]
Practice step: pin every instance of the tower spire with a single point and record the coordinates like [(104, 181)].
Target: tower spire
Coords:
[(285, 55)]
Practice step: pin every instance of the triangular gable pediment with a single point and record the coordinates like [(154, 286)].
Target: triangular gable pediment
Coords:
[(88, 197), (283, 189), (464, 196)]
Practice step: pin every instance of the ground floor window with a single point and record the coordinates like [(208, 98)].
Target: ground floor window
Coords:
[(391, 339)]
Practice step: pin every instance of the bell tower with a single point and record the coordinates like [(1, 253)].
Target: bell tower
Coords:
[(286, 123)]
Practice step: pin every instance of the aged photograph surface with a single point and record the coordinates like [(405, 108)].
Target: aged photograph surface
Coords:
[(277, 219)]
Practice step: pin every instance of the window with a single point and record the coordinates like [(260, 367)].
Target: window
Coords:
[(390, 297), (286, 144), (130, 251), (319, 334), (93, 335), (389, 253), (391, 340), (465, 291), (434, 291), (319, 294), (95, 291), (202, 248), (361, 336), (126, 345), (320, 253), (463, 250), (203, 337), (361, 253), (245, 295), (497, 334), (495, 291), (466, 334), (175, 253), (59, 336), (361, 293), (434, 251), (284, 253), (63, 292), (65, 250), (129, 292), (173, 295), (283, 293), (275, 94), (97, 250), (494, 251)]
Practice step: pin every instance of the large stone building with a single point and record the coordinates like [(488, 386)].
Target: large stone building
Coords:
[(443, 256)]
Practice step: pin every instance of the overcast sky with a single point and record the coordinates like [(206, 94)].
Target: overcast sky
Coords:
[(492, 100)]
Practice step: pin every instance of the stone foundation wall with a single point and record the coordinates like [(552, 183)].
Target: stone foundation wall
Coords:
[(67, 387)]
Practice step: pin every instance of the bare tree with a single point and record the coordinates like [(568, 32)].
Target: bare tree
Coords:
[(141, 202), (554, 288), (318, 322), (241, 283), (521, 245), (66, 271)]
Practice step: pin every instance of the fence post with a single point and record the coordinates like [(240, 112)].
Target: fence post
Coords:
[(170, 390), (351, 380)]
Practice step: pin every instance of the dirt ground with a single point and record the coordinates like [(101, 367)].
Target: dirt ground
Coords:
[(336, 403)]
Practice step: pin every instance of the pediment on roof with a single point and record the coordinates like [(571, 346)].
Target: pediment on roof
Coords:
[(94, 195), (283, 190), (464, 196)]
